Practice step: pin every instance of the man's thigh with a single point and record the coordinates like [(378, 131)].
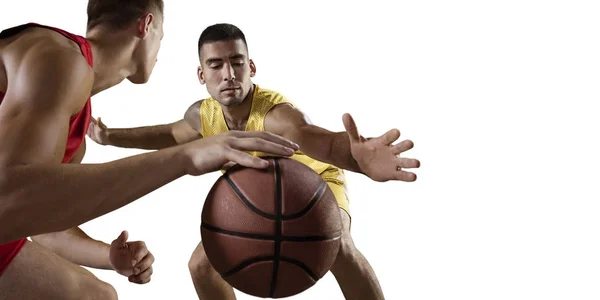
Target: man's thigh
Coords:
[(37, 273), (336, 180)]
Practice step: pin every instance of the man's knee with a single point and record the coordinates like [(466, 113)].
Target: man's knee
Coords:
[(94, 289), (199, 265), (107, 291), (347, 252)]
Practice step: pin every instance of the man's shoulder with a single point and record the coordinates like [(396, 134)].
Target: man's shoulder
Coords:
[(266, 92), (271, 96), (43, 45), (33, 33), (195, 106)]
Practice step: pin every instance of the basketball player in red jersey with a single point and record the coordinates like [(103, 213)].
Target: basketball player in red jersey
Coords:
[(236, 103), (47, 77)]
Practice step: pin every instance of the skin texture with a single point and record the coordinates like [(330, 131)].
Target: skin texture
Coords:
[(226, 71), (46, 80)]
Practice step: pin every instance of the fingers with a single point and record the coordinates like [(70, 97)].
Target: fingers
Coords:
[(143, 277), (406, 163), (139, 251), (246, 159), (91, 127), (405, 176), (390, 136), (121, 241), (273, 138), (402, 147), (262, 145), (90, 130), (351, 128), (143, 270)]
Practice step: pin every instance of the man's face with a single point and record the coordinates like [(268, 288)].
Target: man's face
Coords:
[(226, 70)]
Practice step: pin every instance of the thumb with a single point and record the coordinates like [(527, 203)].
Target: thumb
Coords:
[(351, 128), (101, 124), (122, 239), (228, 165)]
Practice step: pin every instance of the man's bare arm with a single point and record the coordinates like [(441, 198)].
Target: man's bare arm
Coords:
[(77, 247), (316, 142), (153, 137), (378, 158), (37, 193), (146, 137)]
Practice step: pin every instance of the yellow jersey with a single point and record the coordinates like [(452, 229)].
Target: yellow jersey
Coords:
[(263, 100)]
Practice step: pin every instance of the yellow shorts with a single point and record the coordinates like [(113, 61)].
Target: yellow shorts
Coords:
[(336, 180)]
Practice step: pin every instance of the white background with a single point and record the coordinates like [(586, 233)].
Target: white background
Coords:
[(497, 95)]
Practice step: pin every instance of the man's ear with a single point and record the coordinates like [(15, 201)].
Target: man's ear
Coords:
[(252, 68), (144, 24), (201, 75)]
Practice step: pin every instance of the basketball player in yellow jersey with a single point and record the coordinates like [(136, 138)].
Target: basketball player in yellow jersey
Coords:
[(236, 103)]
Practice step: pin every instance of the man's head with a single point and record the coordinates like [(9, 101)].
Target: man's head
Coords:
[(225, 67), (142, 18)]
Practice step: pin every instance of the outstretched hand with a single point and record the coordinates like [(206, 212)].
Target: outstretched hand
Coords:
[(377, 157)]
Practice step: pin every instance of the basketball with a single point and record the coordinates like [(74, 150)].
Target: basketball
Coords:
[(273, 232)]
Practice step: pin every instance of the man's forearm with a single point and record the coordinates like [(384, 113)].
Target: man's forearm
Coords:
[(44, 198), (329, 147), (148, 137), (77, 247), (340, 152)]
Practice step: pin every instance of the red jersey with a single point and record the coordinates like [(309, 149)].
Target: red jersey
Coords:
[(78, 126)]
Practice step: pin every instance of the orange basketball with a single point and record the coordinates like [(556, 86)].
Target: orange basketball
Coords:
[(271, 232)]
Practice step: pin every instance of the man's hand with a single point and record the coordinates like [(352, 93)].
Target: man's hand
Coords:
[(226, 149), (377, 157), (131, 259), (98, 132)]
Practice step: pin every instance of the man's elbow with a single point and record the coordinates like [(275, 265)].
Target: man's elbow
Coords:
[(44, 239), (13, 224), (9, 229), (6, 227)]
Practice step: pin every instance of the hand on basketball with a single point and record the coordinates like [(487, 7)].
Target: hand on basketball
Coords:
[(131, 259), (377, 157), (98, 132), (215, 152)]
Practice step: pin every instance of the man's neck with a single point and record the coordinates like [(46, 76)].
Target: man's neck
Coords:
[(237, 116), (112, 53)]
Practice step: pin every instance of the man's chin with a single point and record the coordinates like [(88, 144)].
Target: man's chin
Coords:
[(229, 101), (137, 79)]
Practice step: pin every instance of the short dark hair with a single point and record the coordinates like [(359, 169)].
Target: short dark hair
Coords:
[(220, 32), (118, 13)]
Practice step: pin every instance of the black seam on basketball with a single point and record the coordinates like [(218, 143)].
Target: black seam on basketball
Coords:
[(302, 266), (277, 240), (239, 193), (236, 233), (246, 263), (315, 198), (258, 259), (310, 238), (284, 238)]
